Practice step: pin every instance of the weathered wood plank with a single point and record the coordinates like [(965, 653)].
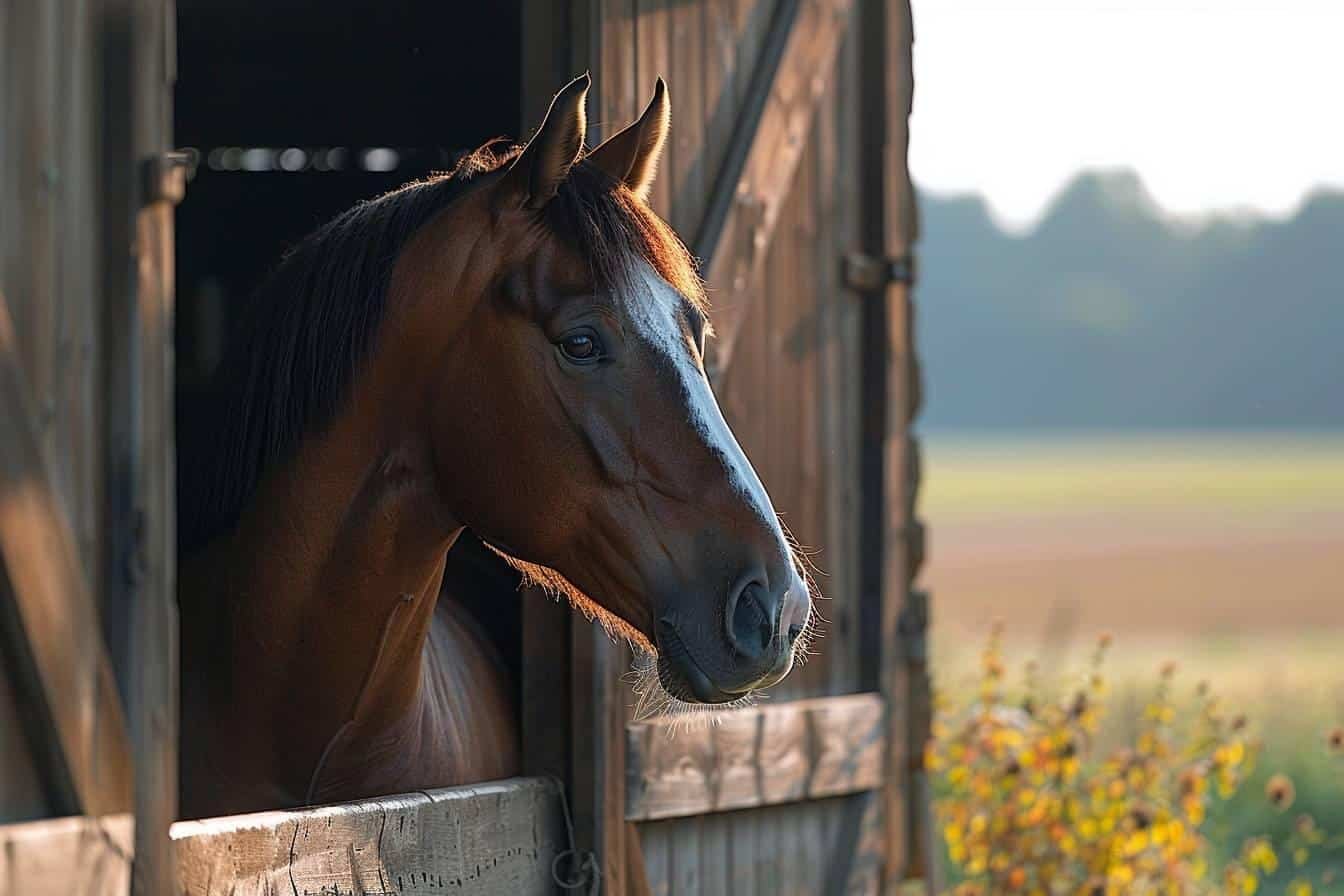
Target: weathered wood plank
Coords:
[(144, 327), (895, 616), (54, 609), (497, 838), (685, 156), (22, 796), (803, 749), (619, 95), (76, 432), (653, 27), (83, 855), (759, 167)]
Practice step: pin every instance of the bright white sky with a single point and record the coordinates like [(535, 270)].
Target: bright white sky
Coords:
[(1216, 103)]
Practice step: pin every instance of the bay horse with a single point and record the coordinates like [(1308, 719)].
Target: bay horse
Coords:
[(514, 348)]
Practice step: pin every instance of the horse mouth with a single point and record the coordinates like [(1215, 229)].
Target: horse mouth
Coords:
[(681, 676)]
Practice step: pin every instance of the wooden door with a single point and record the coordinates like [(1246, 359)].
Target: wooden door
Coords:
[(786, 175), (87, 617)]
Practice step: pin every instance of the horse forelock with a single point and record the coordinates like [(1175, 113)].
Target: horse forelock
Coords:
[(609, 227)]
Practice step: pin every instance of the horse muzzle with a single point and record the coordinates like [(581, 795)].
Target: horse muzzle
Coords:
[(753, 651)]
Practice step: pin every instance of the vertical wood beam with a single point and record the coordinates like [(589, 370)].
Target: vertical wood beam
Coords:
[(896, 614), (140, 60)]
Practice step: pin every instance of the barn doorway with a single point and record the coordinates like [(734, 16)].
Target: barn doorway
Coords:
[(298, 111)]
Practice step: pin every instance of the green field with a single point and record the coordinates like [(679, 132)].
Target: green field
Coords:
[(970, 475)]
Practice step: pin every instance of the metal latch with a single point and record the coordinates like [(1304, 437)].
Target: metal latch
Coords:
[(867, 273), (164, 176)]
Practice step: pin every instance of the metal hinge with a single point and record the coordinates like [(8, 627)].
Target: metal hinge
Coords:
[(912, 627), (164, 176), (867, 273)]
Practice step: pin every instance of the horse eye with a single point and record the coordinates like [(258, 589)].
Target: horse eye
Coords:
[(580, 347)]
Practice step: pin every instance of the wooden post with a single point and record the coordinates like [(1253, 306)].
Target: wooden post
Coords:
[(896, 615), (142, 185)]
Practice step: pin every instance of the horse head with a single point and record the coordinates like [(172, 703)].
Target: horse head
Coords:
[(571, 423)]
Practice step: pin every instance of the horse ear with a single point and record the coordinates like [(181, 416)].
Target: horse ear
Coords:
[(544, 163), (632, 155)]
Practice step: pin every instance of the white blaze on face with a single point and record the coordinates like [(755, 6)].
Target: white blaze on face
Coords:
[(654, 311)]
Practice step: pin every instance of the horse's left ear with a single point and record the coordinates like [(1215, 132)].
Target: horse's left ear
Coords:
[(632, 155), (542, 166)]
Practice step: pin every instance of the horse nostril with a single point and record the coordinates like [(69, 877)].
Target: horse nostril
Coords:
[(794, 631), (750, 629)]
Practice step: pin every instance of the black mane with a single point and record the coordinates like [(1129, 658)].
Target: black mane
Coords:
[(302, 340)]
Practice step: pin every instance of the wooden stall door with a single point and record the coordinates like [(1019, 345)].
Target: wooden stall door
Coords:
[(786, 154), (86, 501)]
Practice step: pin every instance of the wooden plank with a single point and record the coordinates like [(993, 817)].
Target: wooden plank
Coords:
[(763, 755), (58, 857), (76, 427), (30, 216), (837, 162), (152, 701), (497, 838), (686, 154), (619, 94), (760, 163), (53, 610), (597, 774), (22, 796), (653, 27), (715, 849), (894, 616)]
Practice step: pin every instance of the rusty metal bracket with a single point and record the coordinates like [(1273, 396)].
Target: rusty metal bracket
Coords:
[(867, 273), (164, 176)]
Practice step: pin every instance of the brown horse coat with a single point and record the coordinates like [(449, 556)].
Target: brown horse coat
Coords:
[(515, 348)]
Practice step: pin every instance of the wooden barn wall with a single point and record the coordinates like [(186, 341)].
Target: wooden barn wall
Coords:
[(798, 848), (791, 393), (49, 272), (706, 50)]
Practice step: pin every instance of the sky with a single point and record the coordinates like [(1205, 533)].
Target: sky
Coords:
[(1229, 104)]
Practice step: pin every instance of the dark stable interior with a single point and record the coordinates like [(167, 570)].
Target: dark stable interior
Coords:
[(301, 109)]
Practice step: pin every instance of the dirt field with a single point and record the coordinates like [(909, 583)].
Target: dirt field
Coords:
[(1193, 536)]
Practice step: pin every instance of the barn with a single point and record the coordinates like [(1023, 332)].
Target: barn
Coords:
[(157, 156)]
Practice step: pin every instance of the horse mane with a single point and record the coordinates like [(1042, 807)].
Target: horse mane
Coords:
[(306, 333)]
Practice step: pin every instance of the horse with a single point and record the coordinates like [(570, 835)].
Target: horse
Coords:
[(512, 349)]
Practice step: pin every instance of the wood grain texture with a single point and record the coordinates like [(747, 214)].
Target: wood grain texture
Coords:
[(792, 848), (792, 400), (49, 206), (497, 838), (895, 614), (152, 694), (755, 181), (685, 156), (803, 749), (64, 856), (22, 796), (54, 609), (653, 34)]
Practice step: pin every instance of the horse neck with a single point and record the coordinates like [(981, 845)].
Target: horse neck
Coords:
[(330, 582)]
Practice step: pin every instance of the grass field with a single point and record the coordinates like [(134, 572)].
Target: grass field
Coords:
[(1160, 535), (1223, 552)]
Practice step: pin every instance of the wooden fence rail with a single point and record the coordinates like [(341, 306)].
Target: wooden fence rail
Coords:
[(764, 755), (496, 839)]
